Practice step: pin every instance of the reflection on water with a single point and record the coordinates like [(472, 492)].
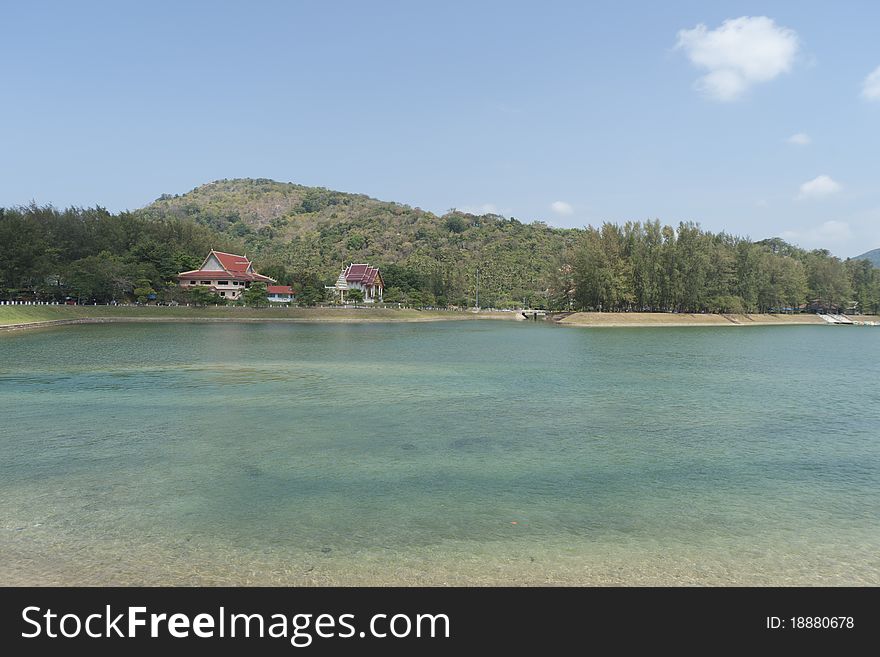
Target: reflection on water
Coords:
[(447, 453)]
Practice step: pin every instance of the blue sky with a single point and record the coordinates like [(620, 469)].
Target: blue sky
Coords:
[(568, 112)]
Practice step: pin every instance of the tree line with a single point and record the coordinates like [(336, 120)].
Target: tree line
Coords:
[(653, 267), (92, 255)]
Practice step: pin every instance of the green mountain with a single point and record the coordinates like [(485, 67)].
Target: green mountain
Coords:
[(291, 228), (302, 236), (872, 256)]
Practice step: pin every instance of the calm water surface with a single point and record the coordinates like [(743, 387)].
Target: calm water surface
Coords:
[(439, 453)]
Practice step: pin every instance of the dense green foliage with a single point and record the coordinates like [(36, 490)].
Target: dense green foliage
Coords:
[(650, 267), (255, 296), (290, 230), (302, 236), (93, 255)]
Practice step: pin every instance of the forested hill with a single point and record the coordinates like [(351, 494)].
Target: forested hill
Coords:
[(302, 236), (311, 230)]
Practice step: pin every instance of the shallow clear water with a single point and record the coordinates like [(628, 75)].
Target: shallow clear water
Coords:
[(439, 453)]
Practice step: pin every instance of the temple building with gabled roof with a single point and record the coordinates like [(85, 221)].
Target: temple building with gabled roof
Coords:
[(226, 274), (361, 277)]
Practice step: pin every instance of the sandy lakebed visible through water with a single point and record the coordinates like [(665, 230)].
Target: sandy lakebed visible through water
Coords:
[(438, 453)]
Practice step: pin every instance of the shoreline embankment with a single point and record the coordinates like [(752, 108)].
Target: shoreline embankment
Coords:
[(14, 318), (642, 320)]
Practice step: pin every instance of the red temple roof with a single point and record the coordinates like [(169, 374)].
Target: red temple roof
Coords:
[(234, 267), (232, 262), (232, 276), (279, 289), (361, 273)]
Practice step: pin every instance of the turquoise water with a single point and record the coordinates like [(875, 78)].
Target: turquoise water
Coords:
[(439, 453)]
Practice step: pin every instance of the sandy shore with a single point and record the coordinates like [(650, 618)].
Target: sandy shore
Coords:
[(685, 319), (454, 563)]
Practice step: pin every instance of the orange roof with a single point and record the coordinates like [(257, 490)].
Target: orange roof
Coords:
[(279, 289)]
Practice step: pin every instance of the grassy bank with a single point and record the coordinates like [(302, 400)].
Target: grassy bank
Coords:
[(24, 316)]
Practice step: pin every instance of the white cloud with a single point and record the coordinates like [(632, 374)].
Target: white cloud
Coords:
[(819, 187), (830, 232), (800, 139), (848, 235), (561, 207), (871, 85), (484, 208), (741, 52)]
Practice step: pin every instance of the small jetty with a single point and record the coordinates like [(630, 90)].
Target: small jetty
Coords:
[(533, 314)]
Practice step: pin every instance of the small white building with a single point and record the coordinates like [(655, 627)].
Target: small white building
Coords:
[(280, 294)]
